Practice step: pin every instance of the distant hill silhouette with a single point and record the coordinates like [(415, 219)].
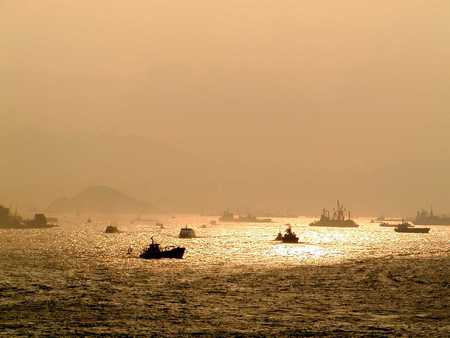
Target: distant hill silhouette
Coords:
[(99, 199)]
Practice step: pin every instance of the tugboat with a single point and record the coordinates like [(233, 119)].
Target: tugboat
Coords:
[(406, 227), (339, 219), (187, 233), (230, 217), (110, 229), (154, 251), (288, 237)]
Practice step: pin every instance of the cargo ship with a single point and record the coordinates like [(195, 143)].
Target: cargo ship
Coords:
[(230, 217), (424, 217), (341, 218)]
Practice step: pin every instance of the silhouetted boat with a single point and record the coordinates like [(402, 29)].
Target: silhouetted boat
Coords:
[(110, 229), (424, 217), (339, 218), (8, 221), (154, 251), (288, 237), (230, 217), (187, 233), (279, 236), (385, 224), (406, 227), (382, 219)]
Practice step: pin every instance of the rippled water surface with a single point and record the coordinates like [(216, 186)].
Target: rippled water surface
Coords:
[(75, 279)]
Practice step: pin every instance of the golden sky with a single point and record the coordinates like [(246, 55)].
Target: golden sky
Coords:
[(309, 95)]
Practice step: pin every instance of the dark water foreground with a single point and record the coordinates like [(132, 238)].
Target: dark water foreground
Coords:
[(378, 297)]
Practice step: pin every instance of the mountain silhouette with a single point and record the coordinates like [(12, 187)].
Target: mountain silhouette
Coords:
[(99, 199)]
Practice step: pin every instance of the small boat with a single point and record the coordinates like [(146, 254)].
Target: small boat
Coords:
[(385, 224), (187, 233), (279, 236), (154, 251), (110, 229), (288, 237), (406, 227)]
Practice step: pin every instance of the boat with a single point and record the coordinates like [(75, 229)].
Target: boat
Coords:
[(230, 217), (9, 221), (110, 229), (187, 233), (386, 224), (341, 218), (279, 236), (424, 217), (289, 236), (406, 227), (382, 219), (154, 251)]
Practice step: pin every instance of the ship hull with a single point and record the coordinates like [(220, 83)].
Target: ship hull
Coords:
[(293, 241), (175, 253), (414, 230), (335, 224)]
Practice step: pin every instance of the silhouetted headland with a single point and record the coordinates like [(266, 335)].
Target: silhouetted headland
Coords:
[(99, 199)]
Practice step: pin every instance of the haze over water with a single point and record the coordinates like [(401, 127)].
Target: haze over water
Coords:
[(75, 279), (260, 106)]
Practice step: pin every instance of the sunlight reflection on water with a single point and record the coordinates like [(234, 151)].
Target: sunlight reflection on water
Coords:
[(221, 244)]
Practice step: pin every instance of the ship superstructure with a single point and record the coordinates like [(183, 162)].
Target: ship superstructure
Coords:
[(340, 218)]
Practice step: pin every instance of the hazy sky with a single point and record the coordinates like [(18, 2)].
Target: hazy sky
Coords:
[(257, 104)]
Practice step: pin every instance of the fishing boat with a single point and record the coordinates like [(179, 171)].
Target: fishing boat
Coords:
[(406, 227), (110, 229), (187, 233), (154, 251), (341, 218), (288, 237)]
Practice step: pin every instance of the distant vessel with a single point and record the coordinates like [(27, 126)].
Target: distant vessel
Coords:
[(154, 251), (110, 229), (230, 217), (279, 236), (338, 219), (385, 219), (9, 221), (187, 233), (385, 224), (289, 236), (424, 217), (406, 227)]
